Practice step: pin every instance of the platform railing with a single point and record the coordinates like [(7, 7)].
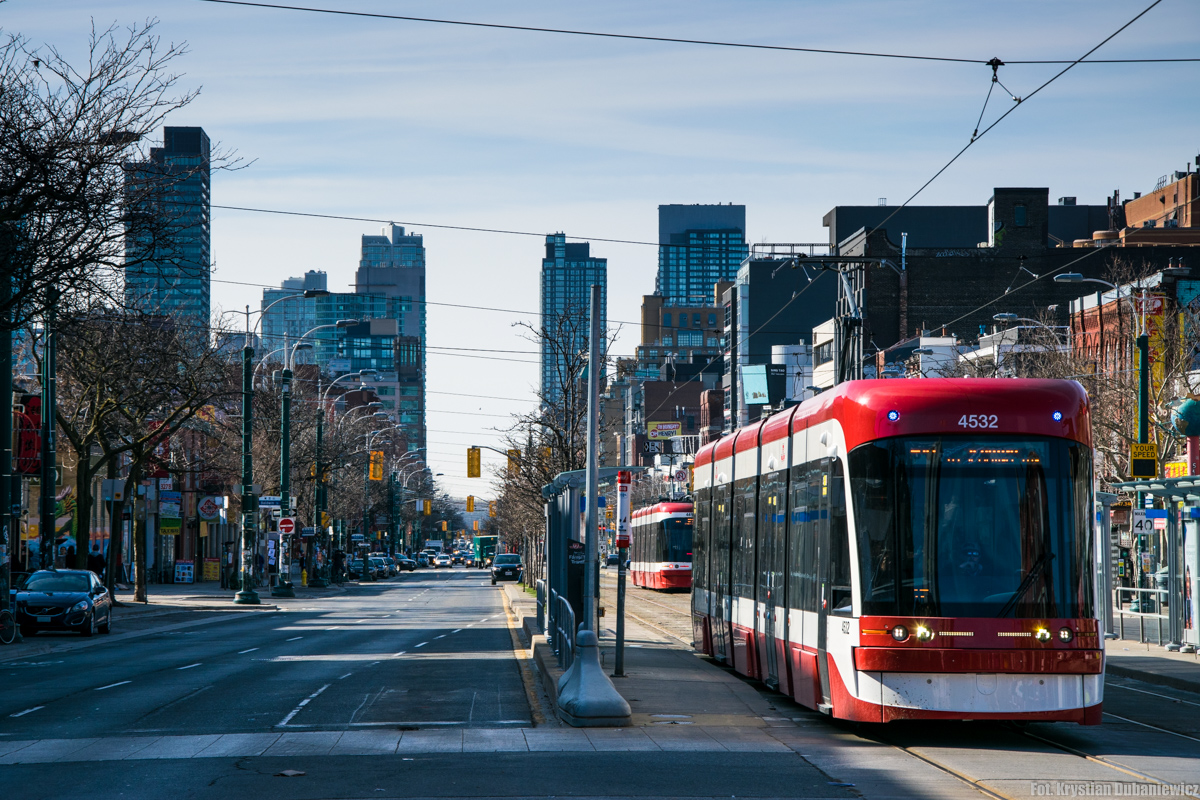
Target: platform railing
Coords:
[(1144, 605), (562, 626), (541, 604)]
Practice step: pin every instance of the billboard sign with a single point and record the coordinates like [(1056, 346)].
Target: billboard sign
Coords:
[(663, 430)]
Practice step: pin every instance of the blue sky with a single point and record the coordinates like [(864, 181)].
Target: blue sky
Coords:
[(537, 132)]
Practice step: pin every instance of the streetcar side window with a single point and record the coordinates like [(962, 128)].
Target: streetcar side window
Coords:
[(700, 541), (744, 537), (840, 596), (802, 559)]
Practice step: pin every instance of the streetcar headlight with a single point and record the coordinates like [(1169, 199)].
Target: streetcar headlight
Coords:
[(1065, 634), (1042, 635), (899, 633), (923, 633)]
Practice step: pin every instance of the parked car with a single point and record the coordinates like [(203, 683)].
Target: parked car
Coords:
[(405, 563), (442, 560), (381, 566), (612, 560), (422, 560), (506, 567), (354, 568), (63, 600)]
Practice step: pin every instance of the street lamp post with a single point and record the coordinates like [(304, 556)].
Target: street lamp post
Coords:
[(285, 588), (247, 595), (366, 568)]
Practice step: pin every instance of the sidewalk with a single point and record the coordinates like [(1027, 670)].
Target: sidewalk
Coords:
[(206, 596), (1152, 664)]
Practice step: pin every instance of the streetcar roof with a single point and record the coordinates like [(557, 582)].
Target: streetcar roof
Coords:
[(875, 409), (747, 437), (664, 508)]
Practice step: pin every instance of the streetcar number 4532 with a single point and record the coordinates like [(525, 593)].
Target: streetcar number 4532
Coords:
[(979, 421)]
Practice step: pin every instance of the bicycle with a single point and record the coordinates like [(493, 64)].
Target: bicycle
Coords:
[(8, 627)]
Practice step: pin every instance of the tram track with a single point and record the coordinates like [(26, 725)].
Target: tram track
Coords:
[(979, 784)]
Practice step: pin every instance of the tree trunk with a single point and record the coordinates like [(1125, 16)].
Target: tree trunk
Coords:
[(83, 510)]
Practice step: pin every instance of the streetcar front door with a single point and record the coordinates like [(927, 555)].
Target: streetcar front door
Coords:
[(719, 565), (770, 575), (824, 587)]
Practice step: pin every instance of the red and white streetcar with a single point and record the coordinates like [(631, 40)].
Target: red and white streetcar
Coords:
[(660, 555), (907, 549)]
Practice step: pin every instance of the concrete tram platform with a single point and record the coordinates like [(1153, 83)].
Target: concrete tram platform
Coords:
[(1151, 663)]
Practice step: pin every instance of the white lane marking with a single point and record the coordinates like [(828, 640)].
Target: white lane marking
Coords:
[(360, 620), (397, 655), (456, 630), (294, 638), (422, 644), (243, 652), (303, 703), (189, 666), (485, 619), (111, 685), (334, 628), (443, 636), (26, 711), (373, 663), (347, 675)]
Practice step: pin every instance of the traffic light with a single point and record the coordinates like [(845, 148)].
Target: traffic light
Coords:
[(470, 504), (476, 523), (444, 526), (376, 473), (492, 508), (473, 462), (428, 506), (514, 461)]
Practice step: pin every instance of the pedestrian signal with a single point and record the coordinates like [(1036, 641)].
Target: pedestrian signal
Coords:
[(470, 504), (376, 473), (473, 465), (492, 509), (428, 507)]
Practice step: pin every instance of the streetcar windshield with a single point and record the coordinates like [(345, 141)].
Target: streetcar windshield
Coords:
[(677, 540), (974, 527)]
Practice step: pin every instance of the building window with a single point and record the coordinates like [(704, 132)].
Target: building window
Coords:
[(712, 320), (666, 320), (1020, 217), (824, 353)]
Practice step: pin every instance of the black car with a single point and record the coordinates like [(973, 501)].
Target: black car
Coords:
[(405, 563), (506, 567), (63, 600), (612, 560)]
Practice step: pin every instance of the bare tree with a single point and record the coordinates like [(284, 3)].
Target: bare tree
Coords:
[(67, 134)]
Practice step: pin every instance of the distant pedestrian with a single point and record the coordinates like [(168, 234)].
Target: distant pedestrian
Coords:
[(95, 562), (69, 562)]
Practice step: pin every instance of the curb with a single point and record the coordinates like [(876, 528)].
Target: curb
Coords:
[(1153, 677)]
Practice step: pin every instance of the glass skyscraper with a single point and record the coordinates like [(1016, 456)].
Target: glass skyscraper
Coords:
[(291, 319), (392, 267), (171, 275), (568, 273), (698, 246)]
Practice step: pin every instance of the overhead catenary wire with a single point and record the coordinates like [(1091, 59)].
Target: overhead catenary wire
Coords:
[(1019, 102), (668, 39)]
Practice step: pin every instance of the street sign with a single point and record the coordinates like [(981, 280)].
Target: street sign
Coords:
[(1143, 460), (308, 532), (1138, 525), (287, 525), (208, 508), (269, 501)]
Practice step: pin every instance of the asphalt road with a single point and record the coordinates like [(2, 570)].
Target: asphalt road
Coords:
[(428, 648), (421, 671)]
